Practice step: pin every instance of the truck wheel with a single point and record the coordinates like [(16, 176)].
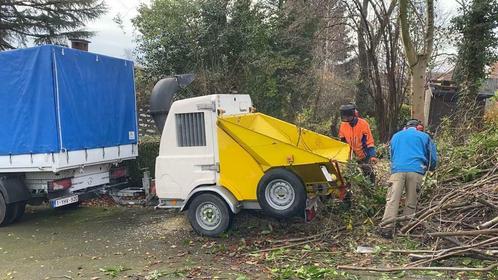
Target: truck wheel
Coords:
[(209, 215), (281, 193), (18, 209), (6, 211)]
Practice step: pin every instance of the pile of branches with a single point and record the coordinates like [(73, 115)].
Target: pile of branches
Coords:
[(457, 214), (458, 220)]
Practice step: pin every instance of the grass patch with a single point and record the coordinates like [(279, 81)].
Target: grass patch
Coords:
[(114, 271)]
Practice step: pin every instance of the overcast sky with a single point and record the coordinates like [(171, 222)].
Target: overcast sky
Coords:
[(111, 40)]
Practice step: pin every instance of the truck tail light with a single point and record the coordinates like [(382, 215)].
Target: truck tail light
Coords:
[(119, 172), (62, 184), (152, 189)]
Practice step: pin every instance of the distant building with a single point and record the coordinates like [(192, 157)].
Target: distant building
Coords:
[(490, 87), (441, 96)]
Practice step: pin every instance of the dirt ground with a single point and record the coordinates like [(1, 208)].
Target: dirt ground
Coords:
[(114, 242), (143, 243)]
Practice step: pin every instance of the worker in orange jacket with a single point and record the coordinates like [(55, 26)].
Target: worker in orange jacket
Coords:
[(356, 132)]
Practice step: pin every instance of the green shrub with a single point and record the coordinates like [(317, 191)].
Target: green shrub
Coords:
[(372, 122), (465, 153), (148, 150), (367, 198), (404, 115)]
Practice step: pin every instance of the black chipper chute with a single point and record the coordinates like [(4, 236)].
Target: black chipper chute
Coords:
[(162, 96)]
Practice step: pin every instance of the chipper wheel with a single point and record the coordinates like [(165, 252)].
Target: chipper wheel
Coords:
[(282, 194), (209, 215)]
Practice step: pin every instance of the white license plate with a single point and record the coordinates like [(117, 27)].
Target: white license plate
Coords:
[(63, 201)]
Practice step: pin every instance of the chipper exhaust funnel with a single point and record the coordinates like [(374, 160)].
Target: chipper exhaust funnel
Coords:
[(162, 96)]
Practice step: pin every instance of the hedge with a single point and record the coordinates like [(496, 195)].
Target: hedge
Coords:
[(148, 150)]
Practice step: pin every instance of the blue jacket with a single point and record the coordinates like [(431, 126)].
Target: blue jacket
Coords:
[(412, 151)]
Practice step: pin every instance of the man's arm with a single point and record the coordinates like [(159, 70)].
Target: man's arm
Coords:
[(432, 155), (371, 153), (392, 146), (370, 139), (370, 144), (341, 135)]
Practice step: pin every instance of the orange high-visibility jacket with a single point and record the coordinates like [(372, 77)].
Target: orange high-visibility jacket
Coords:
[(359, 136)]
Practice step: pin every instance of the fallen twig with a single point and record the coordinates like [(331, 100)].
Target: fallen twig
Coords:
[(397, 219), (464, 233), (321, 234), (281, 247), (489, 223), (438, 268), (457, 251), (412, 251)]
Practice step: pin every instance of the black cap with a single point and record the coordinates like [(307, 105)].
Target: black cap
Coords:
[(347, 109), (412, 123)]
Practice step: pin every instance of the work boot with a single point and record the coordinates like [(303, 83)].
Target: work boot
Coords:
[(386, 233)]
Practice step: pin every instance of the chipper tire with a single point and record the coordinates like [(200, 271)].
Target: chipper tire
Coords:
[(209, 215), (282, 194)]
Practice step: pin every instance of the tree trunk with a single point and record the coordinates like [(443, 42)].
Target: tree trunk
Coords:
[(418, 90), (374, 87), (417, 61), (363, 94), (380, 106)]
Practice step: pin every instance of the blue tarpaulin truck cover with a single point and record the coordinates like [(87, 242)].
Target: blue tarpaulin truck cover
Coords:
[(56, 99)]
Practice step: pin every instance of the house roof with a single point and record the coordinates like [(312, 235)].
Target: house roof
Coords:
[(494, 71)]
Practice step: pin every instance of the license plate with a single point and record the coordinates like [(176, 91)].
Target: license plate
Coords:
[(58, 202)]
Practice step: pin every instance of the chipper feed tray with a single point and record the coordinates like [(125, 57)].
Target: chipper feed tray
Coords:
[(252, 144)]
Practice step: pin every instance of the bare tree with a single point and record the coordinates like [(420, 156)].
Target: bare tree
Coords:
[(418, 60), (381, 65), (334, 64)]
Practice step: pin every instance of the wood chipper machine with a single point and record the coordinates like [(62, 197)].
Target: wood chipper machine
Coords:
[(218, 156)]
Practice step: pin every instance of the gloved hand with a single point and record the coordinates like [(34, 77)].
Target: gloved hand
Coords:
[(374, 160)]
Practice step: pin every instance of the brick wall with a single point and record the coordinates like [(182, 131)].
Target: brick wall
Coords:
[(146, 125)]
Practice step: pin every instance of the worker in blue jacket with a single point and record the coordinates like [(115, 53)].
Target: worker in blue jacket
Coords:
[(412, 154)]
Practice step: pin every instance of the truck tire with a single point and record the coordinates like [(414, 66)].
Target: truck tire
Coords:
[(18, 210), (282, 194), (13, 189), (6, 212), (209, 215)]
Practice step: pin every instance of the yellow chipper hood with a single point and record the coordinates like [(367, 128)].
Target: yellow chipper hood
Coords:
[(250, 144)]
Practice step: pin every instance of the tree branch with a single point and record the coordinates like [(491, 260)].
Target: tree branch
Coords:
[(436, 268), (429, 36), (410, 51), (383, 22)]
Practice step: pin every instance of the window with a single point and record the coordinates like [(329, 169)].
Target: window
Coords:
[(190, 129)]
